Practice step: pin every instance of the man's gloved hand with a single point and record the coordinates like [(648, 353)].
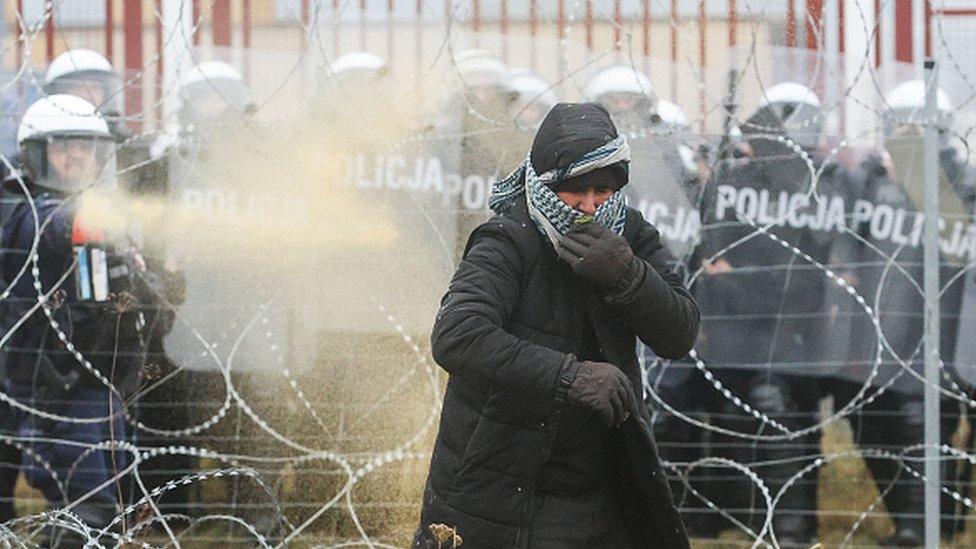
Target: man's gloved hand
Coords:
[(605, 390), (598, 255)]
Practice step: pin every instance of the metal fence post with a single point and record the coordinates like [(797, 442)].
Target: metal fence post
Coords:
[(178, 25), (932, 317)]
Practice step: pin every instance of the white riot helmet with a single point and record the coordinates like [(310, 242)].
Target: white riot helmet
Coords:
[(535, 97), (793, 109), (90, 76), (485, 77), (65, 144), (358, 66), (672, 116), (623, 90), (906, 105), (213, 91)]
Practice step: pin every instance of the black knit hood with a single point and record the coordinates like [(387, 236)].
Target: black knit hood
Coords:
[(569, 131)]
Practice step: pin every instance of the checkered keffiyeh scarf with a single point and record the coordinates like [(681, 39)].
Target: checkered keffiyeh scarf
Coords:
[(554, 217)]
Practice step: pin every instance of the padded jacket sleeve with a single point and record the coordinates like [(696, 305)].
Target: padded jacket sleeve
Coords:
[(656, 306), (469, 338)]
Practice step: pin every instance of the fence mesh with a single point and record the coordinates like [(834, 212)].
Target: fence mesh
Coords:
[(258, 368)]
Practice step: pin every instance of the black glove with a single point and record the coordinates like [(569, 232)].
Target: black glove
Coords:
[(603, 389), (598, 255)]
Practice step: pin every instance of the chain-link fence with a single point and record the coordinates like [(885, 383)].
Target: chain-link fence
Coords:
[(228, 342)]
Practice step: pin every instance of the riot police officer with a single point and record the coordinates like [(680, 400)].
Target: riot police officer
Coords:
[(214, 99), (356, 78), (763, 302), (89, 75), (482, 102), (142, 166), (627, 93), (905, 105), (894, 178), (356, 66), (535, 97), (9, 453), (72, 361), (487, 96), (214, 103)]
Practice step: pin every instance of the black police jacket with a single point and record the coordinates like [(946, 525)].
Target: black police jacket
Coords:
[(768, 311), (107, 337), (504, 333)]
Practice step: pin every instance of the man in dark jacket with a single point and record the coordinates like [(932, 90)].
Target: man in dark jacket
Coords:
[(542, 442)]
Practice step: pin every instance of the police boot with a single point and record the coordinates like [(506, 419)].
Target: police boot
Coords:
[(725, 487), (792, 521), (956, 473), (9, 465), (906, 504), (9, 469), (906, 499), (681, 442)]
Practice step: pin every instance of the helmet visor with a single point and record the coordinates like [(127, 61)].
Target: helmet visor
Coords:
[(215, 100), (72, 163), (105, 90)]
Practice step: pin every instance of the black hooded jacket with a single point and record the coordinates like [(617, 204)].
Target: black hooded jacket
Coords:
[(507, 329), (504, 333)]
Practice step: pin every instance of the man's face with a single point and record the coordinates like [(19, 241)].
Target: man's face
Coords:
[(73, 160), (588, 199), (488, 97), (87, 89), (621, 103)]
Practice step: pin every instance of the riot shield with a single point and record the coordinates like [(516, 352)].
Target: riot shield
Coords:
[(231, 293), (880, 258), (665, 188)]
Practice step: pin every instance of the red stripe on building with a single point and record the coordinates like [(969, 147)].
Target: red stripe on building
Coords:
[(842, 20), (133, 31), (390, 34), (790, 24), (503, 24), (928, 28), (903, 30), (109, 31), (733, 23), (533, 30), (646, 27), (618, 22), (702, 50), (49, 34), (221, 22), (877, 34), (588, 23), (305, 17), (814, 23), (197, 15)]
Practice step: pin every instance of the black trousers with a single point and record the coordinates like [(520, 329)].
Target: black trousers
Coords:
[(588, 521), (9, 470), (681, 443), (9, 465), (791, 401), (956, 473)]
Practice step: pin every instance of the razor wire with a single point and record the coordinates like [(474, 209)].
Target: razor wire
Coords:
[(356, 466)]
